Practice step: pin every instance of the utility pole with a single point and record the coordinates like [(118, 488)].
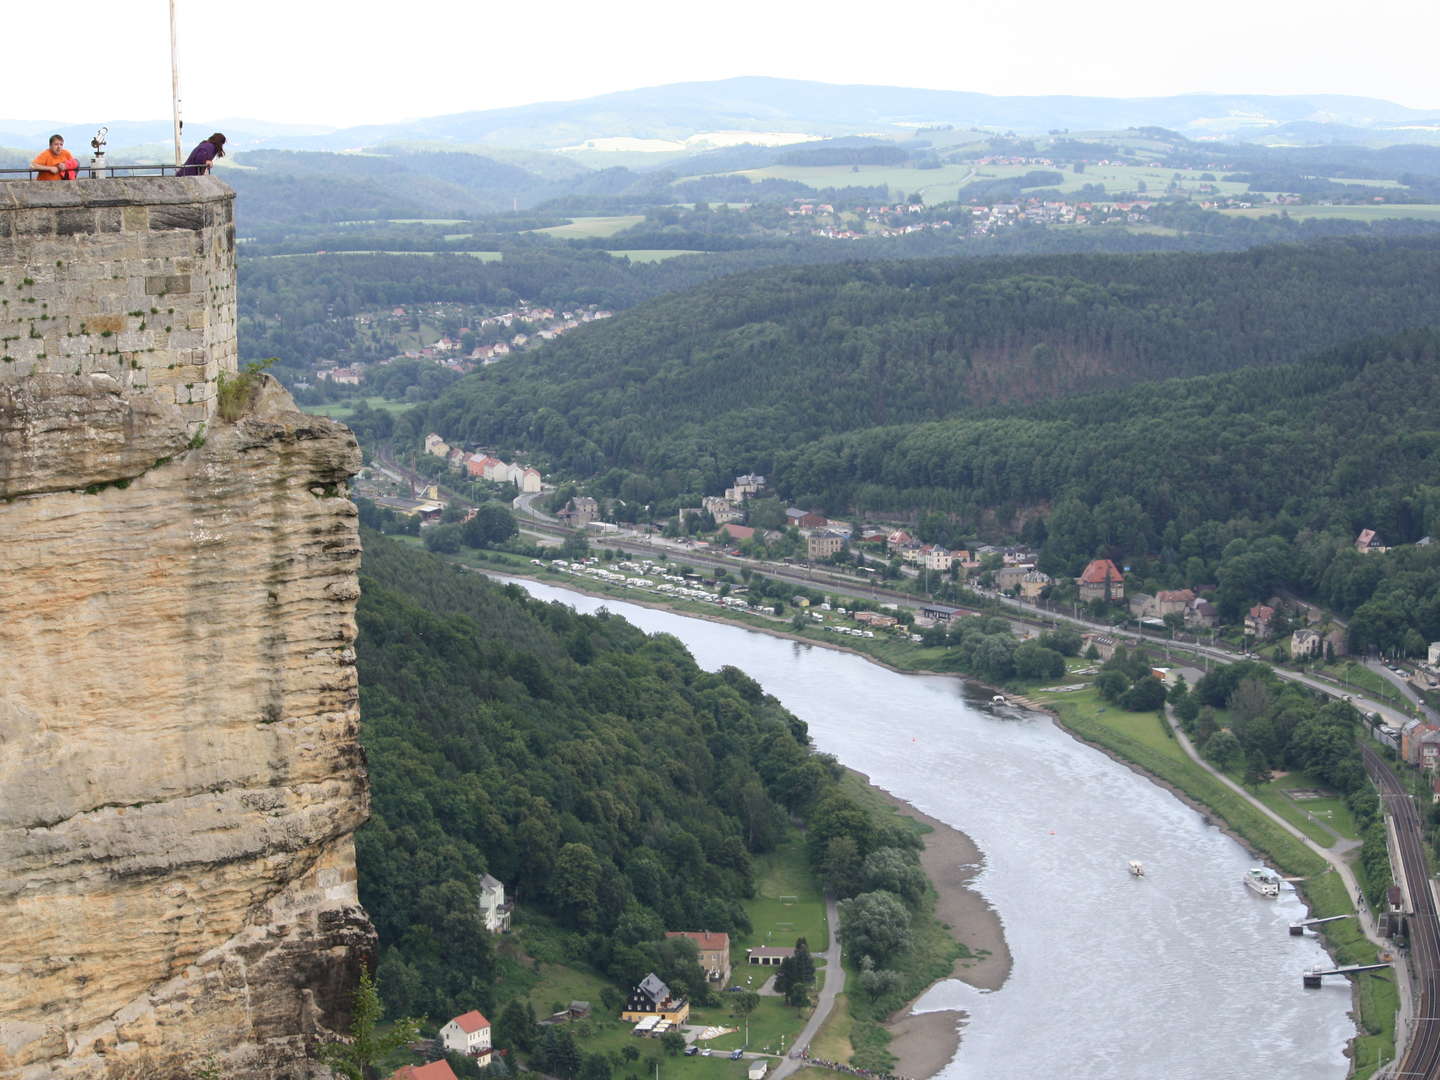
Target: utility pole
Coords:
[(174, 84)]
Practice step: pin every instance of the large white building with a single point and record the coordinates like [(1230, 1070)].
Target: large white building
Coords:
[(493, 908), (468, 1034)]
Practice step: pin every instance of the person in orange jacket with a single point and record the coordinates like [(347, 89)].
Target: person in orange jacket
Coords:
[(55, 163)]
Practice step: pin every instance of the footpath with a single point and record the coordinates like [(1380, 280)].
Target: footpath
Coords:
[(825, 1003)]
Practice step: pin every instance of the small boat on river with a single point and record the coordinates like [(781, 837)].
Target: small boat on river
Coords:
[(999, 699), (1263, 882), (1137, 868)]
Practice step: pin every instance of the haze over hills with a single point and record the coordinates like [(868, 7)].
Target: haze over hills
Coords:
[(679, 111)]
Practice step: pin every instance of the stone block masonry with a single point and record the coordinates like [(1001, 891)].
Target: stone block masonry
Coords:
[(130, 278), (180, 770)]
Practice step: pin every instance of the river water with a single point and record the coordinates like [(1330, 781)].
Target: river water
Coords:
[(1184, 975)]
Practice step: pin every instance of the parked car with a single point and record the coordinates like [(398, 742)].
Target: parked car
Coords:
[(691, 1051), (735, 1055)]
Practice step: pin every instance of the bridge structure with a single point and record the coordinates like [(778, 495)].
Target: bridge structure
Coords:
[(1313, 977), (1298, 928)]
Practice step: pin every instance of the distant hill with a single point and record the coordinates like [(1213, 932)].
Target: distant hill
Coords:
[(759, 104), (729, 375)]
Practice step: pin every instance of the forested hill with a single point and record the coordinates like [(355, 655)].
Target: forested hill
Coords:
[(608, 781), (725, 377), (1254, 480)]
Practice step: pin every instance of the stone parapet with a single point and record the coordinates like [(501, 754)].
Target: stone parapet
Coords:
[(131, 278)]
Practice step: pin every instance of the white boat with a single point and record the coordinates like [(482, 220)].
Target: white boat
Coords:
[(1137, 868), (1262, 881), (998, 699)]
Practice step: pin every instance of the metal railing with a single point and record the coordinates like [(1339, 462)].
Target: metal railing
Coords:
[(98, 172)]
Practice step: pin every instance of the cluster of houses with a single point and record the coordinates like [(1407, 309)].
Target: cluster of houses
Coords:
[(533, 325), (481, 466)]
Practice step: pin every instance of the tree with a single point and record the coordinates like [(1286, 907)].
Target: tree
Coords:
[(744, 1002), (894, 871), (559, 1055), (359, 1058), (672, 1042), (1223, 749), (575, 546), (1111, 684), (517, 1028), (492, 524), (443, 539), (595, 1067), (875, 924), (575, 884), (1147, 695)]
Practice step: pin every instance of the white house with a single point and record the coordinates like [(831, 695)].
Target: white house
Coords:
[(493, 908), (436, 445), (529, 480), (468, 1034)]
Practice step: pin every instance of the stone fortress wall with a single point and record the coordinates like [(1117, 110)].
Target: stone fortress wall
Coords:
[(180, 769), (131, 277)]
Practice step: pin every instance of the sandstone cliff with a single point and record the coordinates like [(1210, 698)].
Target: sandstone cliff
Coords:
[(180, 775)]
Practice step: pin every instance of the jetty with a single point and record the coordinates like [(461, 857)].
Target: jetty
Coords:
[(1311, 979), (1298, 928)]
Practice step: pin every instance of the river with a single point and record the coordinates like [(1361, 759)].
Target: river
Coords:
[(1184, 974)]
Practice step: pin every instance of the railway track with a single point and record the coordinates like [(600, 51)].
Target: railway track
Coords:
[(1422, 1055)]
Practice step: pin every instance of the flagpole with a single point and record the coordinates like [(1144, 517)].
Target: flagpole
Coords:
[(174, 83)]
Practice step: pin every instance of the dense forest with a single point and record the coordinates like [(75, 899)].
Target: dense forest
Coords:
[(617, 789), (730, 376)]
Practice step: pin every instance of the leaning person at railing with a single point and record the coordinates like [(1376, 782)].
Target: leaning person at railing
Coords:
[(203, 156), (55, 163)]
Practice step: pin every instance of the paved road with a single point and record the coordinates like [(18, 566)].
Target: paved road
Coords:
[(833, 984)]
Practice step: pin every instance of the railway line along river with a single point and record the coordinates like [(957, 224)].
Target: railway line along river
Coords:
[(1183, 974)]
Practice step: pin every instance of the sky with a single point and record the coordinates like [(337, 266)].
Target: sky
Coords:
[(338, 63)]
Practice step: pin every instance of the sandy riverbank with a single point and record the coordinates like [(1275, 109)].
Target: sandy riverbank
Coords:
[(924, 1043)]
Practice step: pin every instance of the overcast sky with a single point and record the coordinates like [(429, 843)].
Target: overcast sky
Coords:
[(342, 63)]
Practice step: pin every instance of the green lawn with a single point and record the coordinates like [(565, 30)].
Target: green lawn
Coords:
[(771, 1021), (832, 1041), (783, 872), (1146, 729), (1330, 811), (586, 227)]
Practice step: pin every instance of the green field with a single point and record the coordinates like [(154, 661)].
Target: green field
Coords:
[(341, 410), (1323, 820), (583, 228), (1121, 179), (934, 185), (1374, 212), (648, 255), (943, 184), (782, 873)]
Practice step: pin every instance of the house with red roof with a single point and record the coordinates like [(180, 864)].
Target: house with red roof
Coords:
[(468, 1034), (714, 951), (1258, 619), (1367, 543), (1101, 581), (435, 1070)]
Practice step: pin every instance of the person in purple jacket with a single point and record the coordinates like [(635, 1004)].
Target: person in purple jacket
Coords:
[(203, 156)]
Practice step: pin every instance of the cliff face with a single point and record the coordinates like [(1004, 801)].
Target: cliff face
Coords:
[(180, 775)]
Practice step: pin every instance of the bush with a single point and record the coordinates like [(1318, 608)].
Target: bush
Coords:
[(233, 393)]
